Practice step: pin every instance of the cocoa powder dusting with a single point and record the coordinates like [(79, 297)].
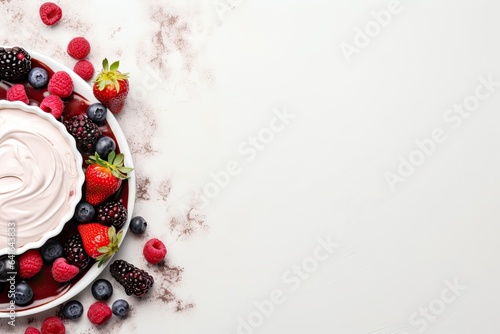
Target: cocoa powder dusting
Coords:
[(189, 220), (164, 189), (142, 186)]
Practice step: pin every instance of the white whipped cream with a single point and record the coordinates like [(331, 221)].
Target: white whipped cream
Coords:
[(38, 176)]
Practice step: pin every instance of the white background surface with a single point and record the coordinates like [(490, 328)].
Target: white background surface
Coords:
[(205, 83)]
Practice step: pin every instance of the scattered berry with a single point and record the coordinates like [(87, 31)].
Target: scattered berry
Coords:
[(7, 265), (99, 313), (38, 77), (100, 242), (30, 263), (120, 307), (97, 112), (85, 132), (74, 252), (31, 330), (15, 63), (84, 212), (60, 84), (135, 281), (72, 310), (50, 13), (104, 146), (111, 87), (51, 250), (104, 178), (102, 289), (138, 225), (154, 251), (53, 104), (53, 325), (112, 213), (84, 69), (62, 271), (23, 294), (78, 47), (17, 93)]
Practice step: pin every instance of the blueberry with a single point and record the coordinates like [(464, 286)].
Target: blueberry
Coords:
[(23, 294), (72, 309), (138, 225), (97, 112), (104, 146), (120, 307), (52, 250), (102, 289), (7, 264), (84, 212), (38, 77)]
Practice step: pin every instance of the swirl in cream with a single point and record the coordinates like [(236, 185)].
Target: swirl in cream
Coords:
[(38, 176)]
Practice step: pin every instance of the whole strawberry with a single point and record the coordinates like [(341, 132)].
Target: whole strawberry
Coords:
[(103, 178), (99, 242), (111, 86)]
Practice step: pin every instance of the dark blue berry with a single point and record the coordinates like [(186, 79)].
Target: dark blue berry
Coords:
[(38, 77), (52, 250), (138, 225), (72, 309), (23, 294), (102, 289), (8, 263), (120, 307), (104, 146), (97, 112), (84, 212)]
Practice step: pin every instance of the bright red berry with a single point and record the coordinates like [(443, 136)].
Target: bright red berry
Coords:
[(154, 251), (78, 48), (53, 104), (50, 13), (30, 263), (111, 87), (53, 325), (60, 84), (99, 313), (99, 241), (31, 330), (84, 69), (62, 271), (17, 93)]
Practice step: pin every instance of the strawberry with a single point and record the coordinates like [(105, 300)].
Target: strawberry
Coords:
[(103, 178), (99, 241), (111, 86)]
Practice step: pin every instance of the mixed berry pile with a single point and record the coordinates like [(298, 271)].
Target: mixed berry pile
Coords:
[(95, 232)]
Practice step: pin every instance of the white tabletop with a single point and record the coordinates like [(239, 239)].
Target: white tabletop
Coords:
[(312, 166)]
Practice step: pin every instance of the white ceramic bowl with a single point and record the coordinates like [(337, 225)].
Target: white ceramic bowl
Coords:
[(84, 89), (44, 235)]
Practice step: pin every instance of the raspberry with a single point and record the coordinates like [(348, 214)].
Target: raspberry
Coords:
[(30, 263), (154, 251), (31, 330), (17, 93), (62, 271), (60, 84), (53, 104), (78, 48), (53, 325), (99, 313), (84, 69), (50, 13)]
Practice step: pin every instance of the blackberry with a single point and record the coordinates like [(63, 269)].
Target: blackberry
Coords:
[(75, 253), (85, 132), (135, 281), (112, 213), (15, 63)]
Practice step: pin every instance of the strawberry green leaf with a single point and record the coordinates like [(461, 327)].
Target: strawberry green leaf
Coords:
[(111, 157), (118, 159), (114, 66), (105, 64)]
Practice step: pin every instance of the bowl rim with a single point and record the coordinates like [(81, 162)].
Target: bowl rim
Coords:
[(84, 89), (80, 179)]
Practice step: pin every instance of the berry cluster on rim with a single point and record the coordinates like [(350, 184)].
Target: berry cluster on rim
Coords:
[(85, 132)]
